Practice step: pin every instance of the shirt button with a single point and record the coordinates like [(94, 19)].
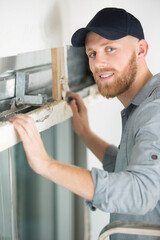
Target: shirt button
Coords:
[(154, 157)]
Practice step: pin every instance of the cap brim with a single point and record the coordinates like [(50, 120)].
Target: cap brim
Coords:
[(78, 38)]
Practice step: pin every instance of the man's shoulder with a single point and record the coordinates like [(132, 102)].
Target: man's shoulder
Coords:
[(152, 87)]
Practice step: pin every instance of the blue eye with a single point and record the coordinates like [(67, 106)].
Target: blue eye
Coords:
[(92, 55), (110, 49)]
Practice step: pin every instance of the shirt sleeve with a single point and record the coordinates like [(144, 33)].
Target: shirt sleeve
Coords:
[(136, 190), (109, 160)]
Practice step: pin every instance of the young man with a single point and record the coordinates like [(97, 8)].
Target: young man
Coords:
[(129, 185)]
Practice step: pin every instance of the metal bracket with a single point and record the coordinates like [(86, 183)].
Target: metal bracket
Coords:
[(22, 79)]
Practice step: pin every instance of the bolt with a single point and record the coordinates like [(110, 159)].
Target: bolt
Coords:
[(19, 101)]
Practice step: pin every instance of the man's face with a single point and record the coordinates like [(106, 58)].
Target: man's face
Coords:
[(112, 63)]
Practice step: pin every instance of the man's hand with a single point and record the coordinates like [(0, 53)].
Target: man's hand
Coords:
[(32, 143), (82, 128), (80, 116)]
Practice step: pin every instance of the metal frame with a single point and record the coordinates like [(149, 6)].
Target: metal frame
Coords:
[(133, 228), (22, 80)]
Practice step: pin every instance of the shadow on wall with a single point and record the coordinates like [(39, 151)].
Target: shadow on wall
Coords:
[(56, 24)]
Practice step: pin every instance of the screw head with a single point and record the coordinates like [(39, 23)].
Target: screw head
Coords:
[(19, 101)]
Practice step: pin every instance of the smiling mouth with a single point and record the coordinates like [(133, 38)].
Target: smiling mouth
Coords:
[(105, 77)]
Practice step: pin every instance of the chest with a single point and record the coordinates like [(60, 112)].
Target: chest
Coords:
[(127, 141)]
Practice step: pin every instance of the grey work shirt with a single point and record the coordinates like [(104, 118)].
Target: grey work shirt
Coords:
[(129, 188)]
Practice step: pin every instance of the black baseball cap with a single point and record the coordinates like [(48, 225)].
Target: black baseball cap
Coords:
[(110, 23)]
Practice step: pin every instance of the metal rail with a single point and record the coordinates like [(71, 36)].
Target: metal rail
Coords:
[(39, 77), (133, 228)]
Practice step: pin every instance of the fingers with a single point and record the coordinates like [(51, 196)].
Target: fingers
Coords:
[(22, 120), (21, 131), (77, 101), (75, 96), (74, 106), (24, 125), (20, 116)]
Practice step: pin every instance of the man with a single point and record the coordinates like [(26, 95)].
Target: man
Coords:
[(129, 185)]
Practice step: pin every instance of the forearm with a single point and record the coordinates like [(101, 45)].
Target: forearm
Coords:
[(97, 145), (75, 179), (82, 128)]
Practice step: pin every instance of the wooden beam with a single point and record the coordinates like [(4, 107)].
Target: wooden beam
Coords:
[(44, 117), (57, 55)]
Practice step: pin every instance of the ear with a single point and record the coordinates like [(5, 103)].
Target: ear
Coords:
[(142, 48)]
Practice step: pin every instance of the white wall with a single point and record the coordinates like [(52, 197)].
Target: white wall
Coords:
[(105, 121), (30, 25)]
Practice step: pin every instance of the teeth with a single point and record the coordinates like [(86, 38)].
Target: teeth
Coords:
[(107, 75)]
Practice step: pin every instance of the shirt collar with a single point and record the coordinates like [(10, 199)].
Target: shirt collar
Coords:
[(145, 92)]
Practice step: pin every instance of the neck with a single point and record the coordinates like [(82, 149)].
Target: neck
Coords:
[(141, 79)]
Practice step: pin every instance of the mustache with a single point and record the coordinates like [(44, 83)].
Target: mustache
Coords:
[(102, 70)]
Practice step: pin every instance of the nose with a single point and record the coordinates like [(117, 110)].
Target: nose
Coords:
[(101, 62)]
